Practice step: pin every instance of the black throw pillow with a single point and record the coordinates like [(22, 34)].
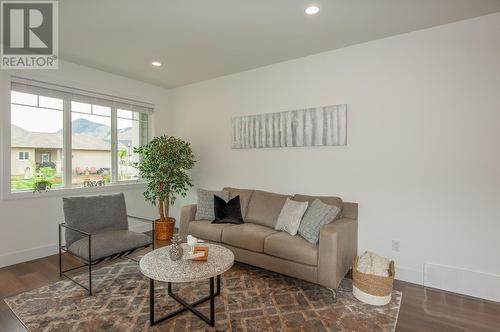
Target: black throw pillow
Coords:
[(227, 213)]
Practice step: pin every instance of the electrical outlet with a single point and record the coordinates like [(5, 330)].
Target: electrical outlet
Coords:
[(395, 245)]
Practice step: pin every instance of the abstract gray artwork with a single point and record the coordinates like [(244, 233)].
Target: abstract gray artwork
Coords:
[(326, 125)]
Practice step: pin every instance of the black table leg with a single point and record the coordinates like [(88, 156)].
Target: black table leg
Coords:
[(185, 306), (151, 302), (212, 302)]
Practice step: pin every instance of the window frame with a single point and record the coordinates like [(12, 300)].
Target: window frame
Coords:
[(24, 154), (116, 184)]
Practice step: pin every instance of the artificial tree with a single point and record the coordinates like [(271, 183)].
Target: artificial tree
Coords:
[(164, 163)]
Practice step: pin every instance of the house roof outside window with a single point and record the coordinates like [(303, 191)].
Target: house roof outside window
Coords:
[(21, 138)]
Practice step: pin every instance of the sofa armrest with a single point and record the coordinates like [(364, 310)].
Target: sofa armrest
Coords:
[(188, 213), (338, 244)]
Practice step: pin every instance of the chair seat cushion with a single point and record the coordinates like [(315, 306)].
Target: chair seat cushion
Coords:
[(204, 229), (247, 236), (292, 248), (108, 243)]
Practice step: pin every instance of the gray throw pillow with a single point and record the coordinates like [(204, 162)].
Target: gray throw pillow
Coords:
[(205, 207), (317, 215)]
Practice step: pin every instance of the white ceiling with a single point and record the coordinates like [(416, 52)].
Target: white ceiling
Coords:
[(202, 39)]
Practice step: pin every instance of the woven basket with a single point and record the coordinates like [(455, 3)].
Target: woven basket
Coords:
[(164, 229), (370, 284)]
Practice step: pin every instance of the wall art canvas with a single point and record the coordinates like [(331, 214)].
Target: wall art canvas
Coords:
[(319, 126)]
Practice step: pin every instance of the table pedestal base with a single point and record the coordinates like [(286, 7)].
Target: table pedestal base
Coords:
[(185, 306)]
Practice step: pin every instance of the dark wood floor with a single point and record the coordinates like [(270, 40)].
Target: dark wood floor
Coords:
[(422, 309)]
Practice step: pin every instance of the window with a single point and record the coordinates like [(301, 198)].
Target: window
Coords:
[(97, 133), (131, 128), (36, 123), (24, 155), (91, 155), (45, 157)]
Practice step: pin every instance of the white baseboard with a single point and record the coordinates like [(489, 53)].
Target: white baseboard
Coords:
[(409, 275), (452, 279), (27, 255), (473, 283)]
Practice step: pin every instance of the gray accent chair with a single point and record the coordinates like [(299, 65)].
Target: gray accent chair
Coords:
[(96, 230)]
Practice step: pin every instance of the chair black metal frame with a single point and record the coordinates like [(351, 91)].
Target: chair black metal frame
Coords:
[(89, 262)]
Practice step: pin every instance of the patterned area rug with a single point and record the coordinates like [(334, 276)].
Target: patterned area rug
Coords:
[(251, 299)]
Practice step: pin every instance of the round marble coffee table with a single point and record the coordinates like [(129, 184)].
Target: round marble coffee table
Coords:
[(158, 266)]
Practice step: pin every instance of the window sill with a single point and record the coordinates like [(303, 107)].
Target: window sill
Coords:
[(73, 191)]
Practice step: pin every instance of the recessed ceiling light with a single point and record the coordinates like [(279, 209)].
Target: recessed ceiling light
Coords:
[(312, 10), (156, 63)]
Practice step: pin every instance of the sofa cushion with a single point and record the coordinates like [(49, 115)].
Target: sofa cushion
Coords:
[(245, 196), (205, 206), (109, 243), (94, 214), (330, 200), (247, 236), (292, 248), (205, 230), (264, 208)]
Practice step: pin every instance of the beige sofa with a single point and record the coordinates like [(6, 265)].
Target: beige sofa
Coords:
[(257, 242)]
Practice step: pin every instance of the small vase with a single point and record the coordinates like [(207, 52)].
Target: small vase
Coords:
[(175, 252)]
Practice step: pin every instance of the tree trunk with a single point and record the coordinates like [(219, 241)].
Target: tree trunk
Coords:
[(167, 206), (161, 204), (161, 208)]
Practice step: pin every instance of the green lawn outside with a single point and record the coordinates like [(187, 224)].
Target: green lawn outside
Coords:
[(18, 183)]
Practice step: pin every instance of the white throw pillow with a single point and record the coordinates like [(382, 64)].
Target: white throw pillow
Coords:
[(290, 216)]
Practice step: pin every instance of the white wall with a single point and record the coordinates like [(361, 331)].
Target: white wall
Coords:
[(28, 227), (422, 158)]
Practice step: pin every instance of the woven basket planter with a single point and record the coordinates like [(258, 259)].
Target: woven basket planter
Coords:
[(371, 289), (164, 229)]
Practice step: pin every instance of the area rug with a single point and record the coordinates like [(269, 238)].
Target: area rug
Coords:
[(251, 299)]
